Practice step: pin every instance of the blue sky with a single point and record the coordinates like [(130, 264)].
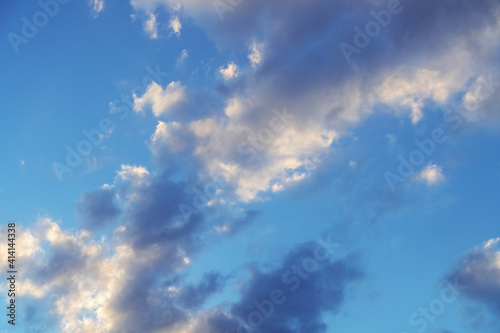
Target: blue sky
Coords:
[(252, 166)]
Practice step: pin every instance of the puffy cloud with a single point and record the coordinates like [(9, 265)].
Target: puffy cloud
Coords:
[(411, 88), (103, 285), (259, 157), (97, 208), (431, 174), (479, 272), (230, 72), (169, 136), (304, 297), (134, 174), (175, 25), (306, 294), (161, 100), (294, 48), (193, 296), (72, 271)]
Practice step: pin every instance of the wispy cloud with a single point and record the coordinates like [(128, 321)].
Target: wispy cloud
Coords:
[(96, 7), (151, 26), (255, 55), (182, 58)]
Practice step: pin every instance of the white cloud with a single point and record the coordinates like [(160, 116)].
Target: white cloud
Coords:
[(234, 108), (137, 175), (175, 25), (230, 72), (96, 7), (161, 100), (259, 158), (89, 285), (491, 242), (30, 244), (255, 55), (170, 135), (431, 174), (326, 106), (151, 27), (412, 87)]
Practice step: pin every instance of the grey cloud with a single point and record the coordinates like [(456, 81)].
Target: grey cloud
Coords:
[(479, 271), (194, 296), (97, 208), (422, 32), (323, 291)]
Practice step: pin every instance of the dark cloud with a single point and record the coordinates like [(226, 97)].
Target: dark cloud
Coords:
[(302, 59), (302, 297), (151, 243), (142, 309), (479, 271), (194, 296), (97, 208)]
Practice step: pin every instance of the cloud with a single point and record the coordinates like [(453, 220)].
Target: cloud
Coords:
[(296, 99), (151, 26), (103, 285), (193, 296), (431, 174), (97, 208), (182, 58), (230, 72), (175, 25), (96, 7), (479, 272), (481, 100), (172, 137), (137, 175), (161, 100), (411, 88), (257, 157), (297, 63), (304, 298), (305, 295), (255, 55)]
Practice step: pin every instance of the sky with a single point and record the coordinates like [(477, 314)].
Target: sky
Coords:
[(263, 166)]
